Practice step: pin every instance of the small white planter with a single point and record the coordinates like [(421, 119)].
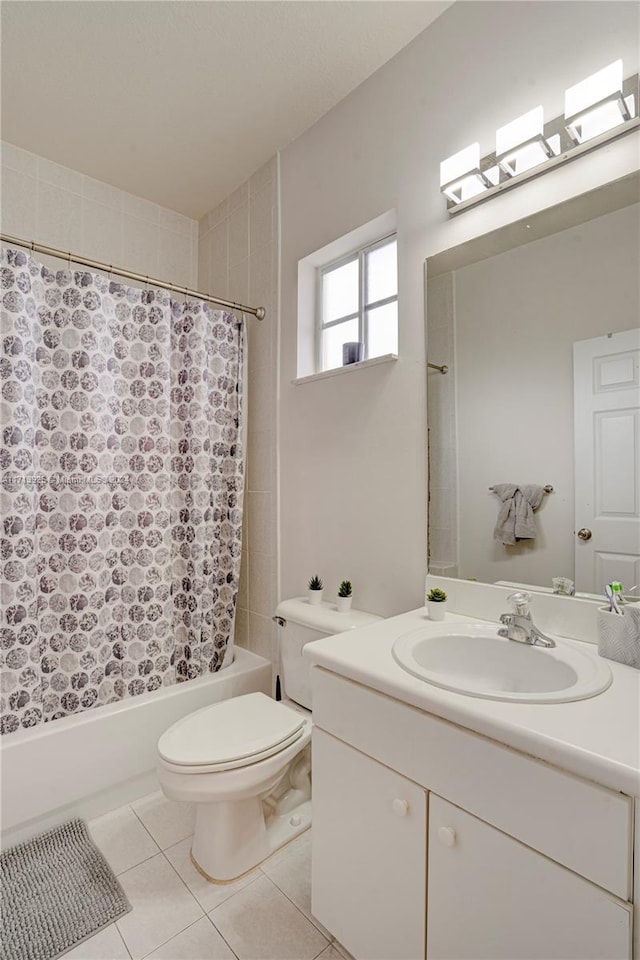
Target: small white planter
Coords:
[(343, 604), (315, 596), (437, 609)]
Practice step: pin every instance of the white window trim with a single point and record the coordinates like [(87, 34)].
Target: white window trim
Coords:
[(338, 371), (360, 255), (381, 226)]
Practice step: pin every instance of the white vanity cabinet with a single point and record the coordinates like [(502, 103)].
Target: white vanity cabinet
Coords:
[(369, 864), (432, 841), (491, 897)]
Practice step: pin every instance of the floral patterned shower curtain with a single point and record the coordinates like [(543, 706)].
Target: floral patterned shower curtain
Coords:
[(121, 489)]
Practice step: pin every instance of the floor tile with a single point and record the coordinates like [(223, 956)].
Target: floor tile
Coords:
[(106, 945), (208, 895), (331, 953), (162, 906), (260, 923), (200, 941), (342, 951), (290, 870), (166, 821), (122, 839), (292, 866)]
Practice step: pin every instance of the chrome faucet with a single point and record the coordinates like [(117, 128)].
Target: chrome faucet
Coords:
[(520, 626)]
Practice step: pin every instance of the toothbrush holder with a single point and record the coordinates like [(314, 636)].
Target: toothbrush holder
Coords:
[(619, 634)]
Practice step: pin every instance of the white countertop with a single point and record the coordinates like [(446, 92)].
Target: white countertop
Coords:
[(597, 738)]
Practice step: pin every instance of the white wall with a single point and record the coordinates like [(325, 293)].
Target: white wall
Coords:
[(352, 452), (516, 317), (238, 260), (62, 208)]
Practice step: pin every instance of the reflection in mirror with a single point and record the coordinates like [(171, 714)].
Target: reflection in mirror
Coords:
[(527, 319)]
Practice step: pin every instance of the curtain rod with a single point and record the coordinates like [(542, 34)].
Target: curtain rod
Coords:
[(258, 312)]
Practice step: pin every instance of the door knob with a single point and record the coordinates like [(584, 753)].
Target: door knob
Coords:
[(584, 534), (400, 807)]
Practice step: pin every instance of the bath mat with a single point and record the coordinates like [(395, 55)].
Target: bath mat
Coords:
[(57, 890)]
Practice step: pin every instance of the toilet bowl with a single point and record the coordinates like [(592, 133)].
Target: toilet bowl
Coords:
[(246, 762), (234, 761)]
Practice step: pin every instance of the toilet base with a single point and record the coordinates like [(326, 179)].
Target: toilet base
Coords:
[(255, 830)]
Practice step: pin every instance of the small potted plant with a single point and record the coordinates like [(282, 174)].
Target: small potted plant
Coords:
[(316, 587), (436, 604), (345, 596)]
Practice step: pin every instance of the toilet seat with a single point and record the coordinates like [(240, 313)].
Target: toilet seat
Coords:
[(230, 734)]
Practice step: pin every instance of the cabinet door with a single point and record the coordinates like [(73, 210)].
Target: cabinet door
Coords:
[(368, 853), (491, 897)]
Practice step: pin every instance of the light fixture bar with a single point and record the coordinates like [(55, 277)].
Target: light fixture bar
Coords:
[(549, 146)]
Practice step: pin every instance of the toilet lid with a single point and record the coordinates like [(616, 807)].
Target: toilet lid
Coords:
[(241, 728)]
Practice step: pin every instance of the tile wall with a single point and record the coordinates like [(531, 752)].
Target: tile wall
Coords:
[(63, 208), (238, 260)]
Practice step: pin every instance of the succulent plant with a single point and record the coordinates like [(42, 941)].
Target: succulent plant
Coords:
[(437, 595), (315, 583), (345, 589)]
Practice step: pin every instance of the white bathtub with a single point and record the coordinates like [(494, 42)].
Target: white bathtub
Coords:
[(89, 763)]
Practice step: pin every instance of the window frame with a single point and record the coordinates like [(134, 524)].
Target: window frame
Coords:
[(359, 255)]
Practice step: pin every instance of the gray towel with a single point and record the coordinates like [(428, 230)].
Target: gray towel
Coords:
[(515, 516)]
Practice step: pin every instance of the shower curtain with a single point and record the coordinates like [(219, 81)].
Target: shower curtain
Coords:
[(121, 489)]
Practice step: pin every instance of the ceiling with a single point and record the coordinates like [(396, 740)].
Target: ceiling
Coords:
[(180, 101)]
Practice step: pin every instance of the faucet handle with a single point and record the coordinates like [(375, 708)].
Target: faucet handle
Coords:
[(520, 602)]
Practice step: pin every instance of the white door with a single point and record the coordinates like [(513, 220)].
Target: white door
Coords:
[(492, 898), (368, 853), (606, 380)]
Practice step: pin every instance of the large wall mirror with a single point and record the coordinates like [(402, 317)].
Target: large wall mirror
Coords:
[(537, 324)]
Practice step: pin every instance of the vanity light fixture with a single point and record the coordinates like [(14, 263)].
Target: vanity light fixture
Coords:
[(521, 144), (597, 104), (460, 175), (597, 110)]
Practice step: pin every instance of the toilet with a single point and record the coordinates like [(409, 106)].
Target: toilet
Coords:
[(246, 762)]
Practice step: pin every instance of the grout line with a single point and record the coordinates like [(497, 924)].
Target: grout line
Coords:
[(135, 813), (284, 893), (182, 929), (164, 942), (299, 909), (266, 877), (341, 950), (219, 932), (133, 867), (161, 849), (184, 884), (123, 940)]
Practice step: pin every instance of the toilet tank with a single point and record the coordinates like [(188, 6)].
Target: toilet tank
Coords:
[(300, 622)]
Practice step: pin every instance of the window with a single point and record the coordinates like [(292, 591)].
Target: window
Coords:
[(358, 301)]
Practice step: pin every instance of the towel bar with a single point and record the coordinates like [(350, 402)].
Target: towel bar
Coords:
[(548, 488)]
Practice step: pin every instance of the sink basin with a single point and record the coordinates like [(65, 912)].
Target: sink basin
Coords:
[(471, 658)]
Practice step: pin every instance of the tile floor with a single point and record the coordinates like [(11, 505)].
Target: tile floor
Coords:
[(178, 915)]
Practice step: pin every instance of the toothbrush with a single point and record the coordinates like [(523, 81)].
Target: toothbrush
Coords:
[(611, 597)]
